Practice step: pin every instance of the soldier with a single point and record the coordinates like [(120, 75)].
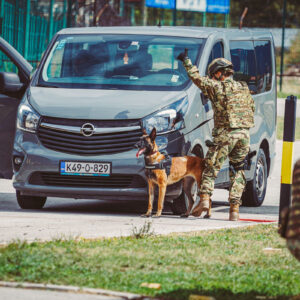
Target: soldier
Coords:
[(290, 224), (233, 109)]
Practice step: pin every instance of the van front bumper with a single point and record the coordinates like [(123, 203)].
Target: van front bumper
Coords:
[(39, 174)]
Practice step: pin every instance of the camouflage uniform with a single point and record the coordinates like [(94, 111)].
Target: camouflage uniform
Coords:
[(290, 228), (230, 134)]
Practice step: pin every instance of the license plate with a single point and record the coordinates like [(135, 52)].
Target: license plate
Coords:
[(85, 168)]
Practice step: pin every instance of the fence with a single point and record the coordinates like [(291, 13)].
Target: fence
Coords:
[(29, 27)]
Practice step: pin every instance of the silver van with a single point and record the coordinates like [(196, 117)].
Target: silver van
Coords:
[(97, 88)]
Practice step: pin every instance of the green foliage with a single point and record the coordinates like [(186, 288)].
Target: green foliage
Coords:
[(225, 264), (290, 86), (293, 57), (266, 13)]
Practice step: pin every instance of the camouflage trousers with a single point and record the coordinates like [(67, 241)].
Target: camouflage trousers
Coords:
[(234, 144)]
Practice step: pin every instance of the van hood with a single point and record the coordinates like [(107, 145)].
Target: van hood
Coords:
[(99, 104)]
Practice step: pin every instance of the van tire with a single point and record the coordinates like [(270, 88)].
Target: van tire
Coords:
[(30, 202), (178, 206), (255, 191)]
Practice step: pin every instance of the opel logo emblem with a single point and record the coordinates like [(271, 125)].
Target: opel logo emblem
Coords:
[(87, 129)]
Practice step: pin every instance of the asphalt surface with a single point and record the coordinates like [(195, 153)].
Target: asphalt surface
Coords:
[(33, 294)]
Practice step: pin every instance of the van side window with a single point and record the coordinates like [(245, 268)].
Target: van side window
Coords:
[(243, 59), (264, 65), (216, 52)]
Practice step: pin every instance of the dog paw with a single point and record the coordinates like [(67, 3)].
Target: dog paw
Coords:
[(207, 216), (146, 215), (156, 216), (184, 216)]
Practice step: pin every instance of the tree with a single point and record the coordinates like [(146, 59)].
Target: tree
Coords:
[(267, 13), (293, 57)]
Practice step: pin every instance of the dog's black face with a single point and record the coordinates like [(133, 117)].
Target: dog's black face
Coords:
[(146, 144)]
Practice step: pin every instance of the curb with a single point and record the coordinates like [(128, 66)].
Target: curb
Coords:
[(73, 289)]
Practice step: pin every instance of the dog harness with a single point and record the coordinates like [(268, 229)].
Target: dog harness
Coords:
[(164, 164)]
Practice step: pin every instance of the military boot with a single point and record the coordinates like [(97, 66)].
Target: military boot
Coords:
[(234, 212), (203, 205)]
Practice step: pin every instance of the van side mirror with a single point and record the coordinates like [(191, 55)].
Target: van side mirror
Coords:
[(204, 99), (10, 82)]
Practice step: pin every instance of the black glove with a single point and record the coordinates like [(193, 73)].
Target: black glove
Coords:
[(183, 55)]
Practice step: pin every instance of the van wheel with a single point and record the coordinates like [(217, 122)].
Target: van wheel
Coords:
[(255, 192), (180, 205), (30, 202)]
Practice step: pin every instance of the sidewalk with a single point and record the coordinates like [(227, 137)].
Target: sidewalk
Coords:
[(34, 291), (43, 226)]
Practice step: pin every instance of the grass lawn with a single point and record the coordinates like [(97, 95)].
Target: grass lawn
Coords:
[(225, 264), (280, 123), (286, 94)]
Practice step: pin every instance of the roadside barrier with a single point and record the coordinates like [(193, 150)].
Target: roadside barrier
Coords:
[(287, 152)]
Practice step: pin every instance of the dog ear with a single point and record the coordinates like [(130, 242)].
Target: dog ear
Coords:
[(153, 134), (144, 131)]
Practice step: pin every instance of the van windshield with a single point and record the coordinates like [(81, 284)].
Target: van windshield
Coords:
[(118, 62)]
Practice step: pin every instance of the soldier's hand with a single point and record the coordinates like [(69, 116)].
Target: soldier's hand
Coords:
[(183, 55)]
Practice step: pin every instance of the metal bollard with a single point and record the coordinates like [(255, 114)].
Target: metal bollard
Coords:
[(287, 152)]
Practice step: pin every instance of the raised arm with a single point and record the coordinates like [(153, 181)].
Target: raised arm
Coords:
[(203, 82)]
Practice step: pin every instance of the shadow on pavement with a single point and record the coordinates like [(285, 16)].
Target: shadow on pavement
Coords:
[(9, 203), (261, 210)]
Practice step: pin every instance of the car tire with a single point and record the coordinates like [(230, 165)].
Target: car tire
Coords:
[(180, 205), (255, 191), (30, 202)]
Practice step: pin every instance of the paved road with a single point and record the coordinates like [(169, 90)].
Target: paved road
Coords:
[(33, 294), (92, 219)]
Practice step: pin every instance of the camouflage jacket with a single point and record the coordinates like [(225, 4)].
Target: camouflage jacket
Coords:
[(232, 103)]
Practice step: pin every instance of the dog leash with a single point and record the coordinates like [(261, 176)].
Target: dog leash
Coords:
[(201, 124)]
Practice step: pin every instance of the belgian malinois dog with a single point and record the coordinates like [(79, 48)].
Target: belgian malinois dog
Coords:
[(188, 168)]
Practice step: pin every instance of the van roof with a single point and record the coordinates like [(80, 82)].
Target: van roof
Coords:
[(180, 31)]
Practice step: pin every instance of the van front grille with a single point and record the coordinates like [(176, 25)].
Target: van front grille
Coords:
[(68, 137), (113, 181)]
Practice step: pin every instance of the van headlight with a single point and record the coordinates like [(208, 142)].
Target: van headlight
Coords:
[(27, 118), (170, 118)]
